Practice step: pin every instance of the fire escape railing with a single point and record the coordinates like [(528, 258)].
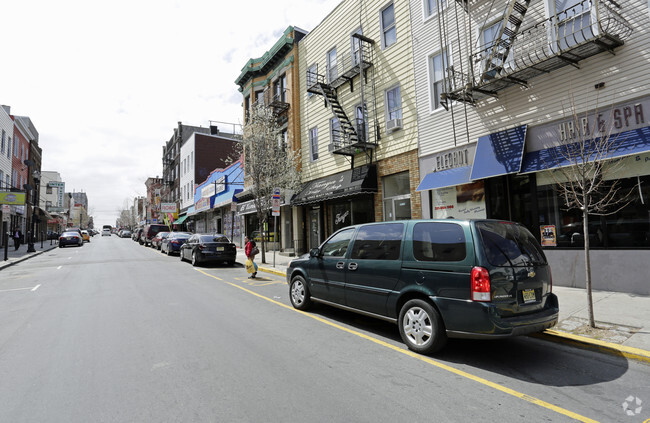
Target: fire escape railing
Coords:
[(571, 35)]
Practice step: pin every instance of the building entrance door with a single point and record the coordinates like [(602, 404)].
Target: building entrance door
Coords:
[(314, 228)]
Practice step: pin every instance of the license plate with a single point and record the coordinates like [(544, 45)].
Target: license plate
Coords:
[(529, 295), (220, 249)]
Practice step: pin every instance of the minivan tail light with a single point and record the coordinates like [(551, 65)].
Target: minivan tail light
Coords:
[(480, 284), (201, 246)]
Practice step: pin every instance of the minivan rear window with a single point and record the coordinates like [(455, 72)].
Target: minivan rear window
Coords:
[(507, 244), (436, 241), (378, 242)]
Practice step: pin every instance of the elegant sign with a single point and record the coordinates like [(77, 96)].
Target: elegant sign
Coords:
[(15, 198), (168, 207), (452, 159)]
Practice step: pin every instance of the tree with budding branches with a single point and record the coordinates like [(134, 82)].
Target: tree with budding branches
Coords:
[(268, 162)]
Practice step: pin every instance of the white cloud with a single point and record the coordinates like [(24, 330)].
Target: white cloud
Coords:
[(105, 84)]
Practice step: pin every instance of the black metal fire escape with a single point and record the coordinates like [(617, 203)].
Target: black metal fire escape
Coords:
[(352, 138), (517, 54)]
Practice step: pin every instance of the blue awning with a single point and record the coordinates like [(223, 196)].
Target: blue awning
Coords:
[(499, 153), (445, 178), (627, 143)]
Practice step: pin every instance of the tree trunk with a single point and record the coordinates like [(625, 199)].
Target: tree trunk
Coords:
[(590, 301)]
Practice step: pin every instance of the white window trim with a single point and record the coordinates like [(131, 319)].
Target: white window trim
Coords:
[(426, 18), (327, 61), (315, 67), (381, 25), (358, 30), (386, 111), (450, 62), (311, 144)]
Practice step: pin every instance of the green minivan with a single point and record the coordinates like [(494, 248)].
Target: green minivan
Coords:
[(436, 279)]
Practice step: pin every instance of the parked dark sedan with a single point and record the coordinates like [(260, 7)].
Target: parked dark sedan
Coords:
[(71, 238), (156, 241), (173, 242), (201, 248)]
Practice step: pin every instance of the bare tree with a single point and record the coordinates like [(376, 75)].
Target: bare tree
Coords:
[(268, 162), (585, 157)]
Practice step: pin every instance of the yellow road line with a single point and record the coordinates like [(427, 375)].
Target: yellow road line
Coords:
[(420, 357)]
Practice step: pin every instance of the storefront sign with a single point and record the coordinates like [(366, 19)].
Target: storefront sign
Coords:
[(15, 198), (452, 159), (591, 124), (202, 204), (214, 188), (275, 202), (359, 180), (168, 207)]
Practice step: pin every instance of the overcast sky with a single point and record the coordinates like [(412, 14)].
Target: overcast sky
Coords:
[(105, 83)]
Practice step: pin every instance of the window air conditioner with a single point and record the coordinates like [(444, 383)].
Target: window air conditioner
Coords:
[(393, 125)]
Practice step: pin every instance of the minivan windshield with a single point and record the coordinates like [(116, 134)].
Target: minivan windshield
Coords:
[(508, 244)]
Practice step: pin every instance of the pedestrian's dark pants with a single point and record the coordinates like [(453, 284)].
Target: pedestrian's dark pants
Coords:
[(16, 243)]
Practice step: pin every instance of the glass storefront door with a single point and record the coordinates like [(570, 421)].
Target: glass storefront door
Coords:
[(314, 228)]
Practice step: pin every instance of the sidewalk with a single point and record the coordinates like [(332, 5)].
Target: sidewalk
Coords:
[(623, 319), (16, 256)]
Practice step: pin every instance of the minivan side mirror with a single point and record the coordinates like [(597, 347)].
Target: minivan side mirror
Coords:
[(314, 252)]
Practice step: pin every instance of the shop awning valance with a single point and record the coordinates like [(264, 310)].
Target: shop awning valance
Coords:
[(359, 180), (499, 153), (445, 178)]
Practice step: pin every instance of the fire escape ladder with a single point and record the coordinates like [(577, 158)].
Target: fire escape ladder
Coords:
[(332, 101), (498, 54)]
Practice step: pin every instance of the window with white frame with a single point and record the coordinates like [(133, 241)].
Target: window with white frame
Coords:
[(4, 134), (388, 28), (355, 47), (573, 21), (393, 103), (336, 137), (313, 143), (8, 147), (332, 69), (432, 7), (16, 147), (312, 77), (361, 122), (438, 64)]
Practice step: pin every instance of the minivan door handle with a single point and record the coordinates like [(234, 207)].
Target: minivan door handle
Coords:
[(352, 266), (340, 265)]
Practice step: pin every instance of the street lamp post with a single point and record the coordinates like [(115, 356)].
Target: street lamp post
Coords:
[(36, 176)]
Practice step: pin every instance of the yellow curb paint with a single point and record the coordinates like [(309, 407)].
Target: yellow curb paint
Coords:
[(606, 347), (275, 272), (423, 358)]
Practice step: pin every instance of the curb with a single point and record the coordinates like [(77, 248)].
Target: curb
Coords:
[(631, 353), (9, 263), (273, 271)]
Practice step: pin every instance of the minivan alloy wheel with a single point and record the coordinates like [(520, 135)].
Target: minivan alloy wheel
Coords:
[(421, 327), (299, 293)]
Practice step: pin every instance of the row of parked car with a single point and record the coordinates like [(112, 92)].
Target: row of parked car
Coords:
[(196, 248)]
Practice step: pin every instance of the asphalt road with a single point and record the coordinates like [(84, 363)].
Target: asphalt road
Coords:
[(116, 332)]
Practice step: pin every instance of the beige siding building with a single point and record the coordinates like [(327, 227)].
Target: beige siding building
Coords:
[(357, 120), (498, 85)]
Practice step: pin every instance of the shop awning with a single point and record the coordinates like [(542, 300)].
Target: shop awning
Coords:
[(627, 143), (190, 211), (499, 153), (359, 180), (445, 178), (180, 220)]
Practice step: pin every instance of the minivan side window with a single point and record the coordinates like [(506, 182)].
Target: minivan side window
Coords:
[(338, 244), (378, 242), (437, 241)]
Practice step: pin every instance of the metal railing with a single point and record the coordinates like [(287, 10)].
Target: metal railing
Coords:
[(564, 32)]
